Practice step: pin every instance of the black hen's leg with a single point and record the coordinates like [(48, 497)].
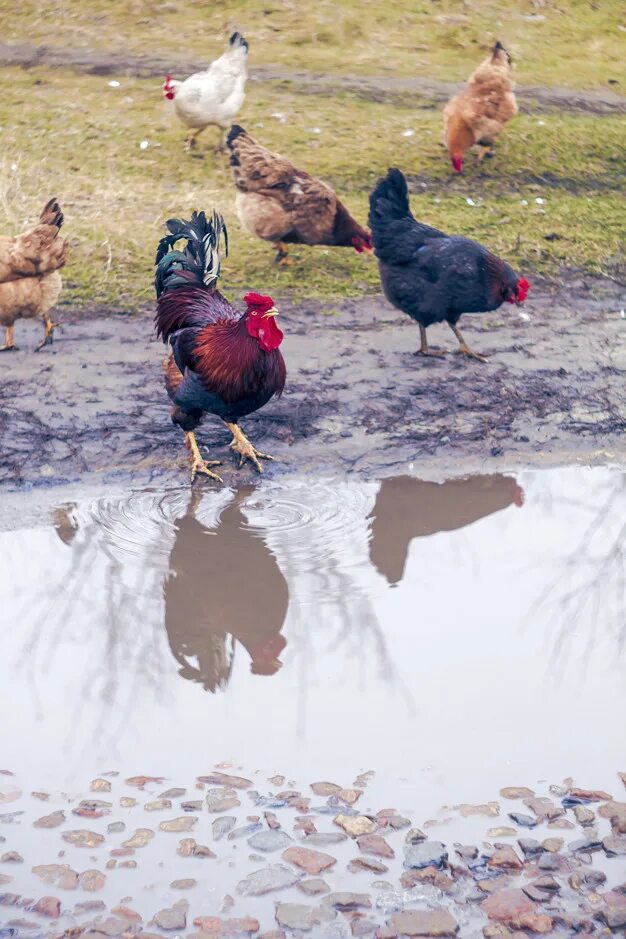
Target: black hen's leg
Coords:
[(424, 350), (463, 346)]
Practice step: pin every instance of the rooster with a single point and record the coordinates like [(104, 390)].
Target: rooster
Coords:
[(30, 282), (433, 276), (478, 113), (214, 96), (223, 362), (282, 204)]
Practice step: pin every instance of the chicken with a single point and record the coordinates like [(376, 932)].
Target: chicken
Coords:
[(214, 96), (408, 508), (223, 362), (285, 205), (30, 282), (430, 275), (478, 113), (207, 614)]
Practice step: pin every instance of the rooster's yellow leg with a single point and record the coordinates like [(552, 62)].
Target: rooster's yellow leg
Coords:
[(48, 336), (198, 465), (424, 350), (282, 254), (463, 346), (8, 342), (241, 445)]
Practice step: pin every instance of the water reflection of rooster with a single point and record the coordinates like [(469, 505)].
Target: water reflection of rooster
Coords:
[(208, 605), (408, 508)]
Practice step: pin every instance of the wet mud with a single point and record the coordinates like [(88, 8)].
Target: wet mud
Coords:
[(370, 88), (93, 405)]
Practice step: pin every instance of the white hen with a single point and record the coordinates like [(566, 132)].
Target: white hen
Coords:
[(213, 96)]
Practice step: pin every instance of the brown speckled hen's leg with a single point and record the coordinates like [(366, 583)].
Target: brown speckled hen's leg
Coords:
[(48, 336), (241, 445), (463, 346), (198, 465), (9, 345), (424, 350), (282, 254)]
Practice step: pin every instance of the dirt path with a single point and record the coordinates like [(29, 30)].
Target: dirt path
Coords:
[(372, 88), (92, 406)]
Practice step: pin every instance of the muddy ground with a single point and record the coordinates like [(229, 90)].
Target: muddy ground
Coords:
[(371, 88), (93, 407)]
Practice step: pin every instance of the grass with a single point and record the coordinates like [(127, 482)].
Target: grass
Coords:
[(575, 43), (76, 137)]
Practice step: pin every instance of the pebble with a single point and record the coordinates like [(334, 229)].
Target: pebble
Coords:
[(367, 864), (140, 838), (516, 792), (174, 917), (173, 794), (355, 825), (526, 821), (552, 845), (187, 884), (183, 823), (11, 857), (544, 808), (426, 854), (375, 844), (275, 877), (414, 836), (613, 845), (300, 916), (313, 862), (158, 805), (505, 857), (222, 826), (115, 828), (468, 852), (221, 800), (223, 779), (50, 821), (218, 927), (47, 906), (91, 880), (346, 901), (424, 923), (81, 838), (314, 886), (323, 839), (270, 840)]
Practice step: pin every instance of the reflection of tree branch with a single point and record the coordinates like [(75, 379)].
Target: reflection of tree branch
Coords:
[(593, 581)]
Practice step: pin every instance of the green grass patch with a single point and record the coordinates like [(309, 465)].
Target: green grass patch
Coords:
[(79, 139), (574, 43)]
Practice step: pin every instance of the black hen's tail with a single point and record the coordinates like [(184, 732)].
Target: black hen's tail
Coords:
[(396, 235), (198, 265), (389, 199)]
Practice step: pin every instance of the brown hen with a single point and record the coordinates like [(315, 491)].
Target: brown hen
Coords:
[(285, 205), (30, 282), (478, 113)]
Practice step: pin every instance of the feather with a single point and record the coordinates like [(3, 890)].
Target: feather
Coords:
[(199, 263)]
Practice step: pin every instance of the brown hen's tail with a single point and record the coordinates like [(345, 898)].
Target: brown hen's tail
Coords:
[(52, 214)]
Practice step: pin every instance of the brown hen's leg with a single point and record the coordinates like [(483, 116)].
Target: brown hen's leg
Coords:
[(424, 350), (241, 445), (48, 336), (463, 346), (198, 465), (8, 342), (282, 254)]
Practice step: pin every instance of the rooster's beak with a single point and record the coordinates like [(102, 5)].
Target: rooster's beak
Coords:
[(272, 312)]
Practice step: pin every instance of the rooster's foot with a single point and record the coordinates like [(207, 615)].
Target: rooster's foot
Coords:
[(198, 464), (241, 445), (7, 348), (48, 335)]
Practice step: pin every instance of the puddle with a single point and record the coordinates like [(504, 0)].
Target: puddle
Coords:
[(454, 638)]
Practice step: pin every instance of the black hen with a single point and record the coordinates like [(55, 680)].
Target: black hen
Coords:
[(430, 275)]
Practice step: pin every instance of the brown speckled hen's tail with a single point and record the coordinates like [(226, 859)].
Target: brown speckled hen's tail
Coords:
[(51, 214)]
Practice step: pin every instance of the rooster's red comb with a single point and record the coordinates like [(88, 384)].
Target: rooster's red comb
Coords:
[(258, 300), (522, 289)]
